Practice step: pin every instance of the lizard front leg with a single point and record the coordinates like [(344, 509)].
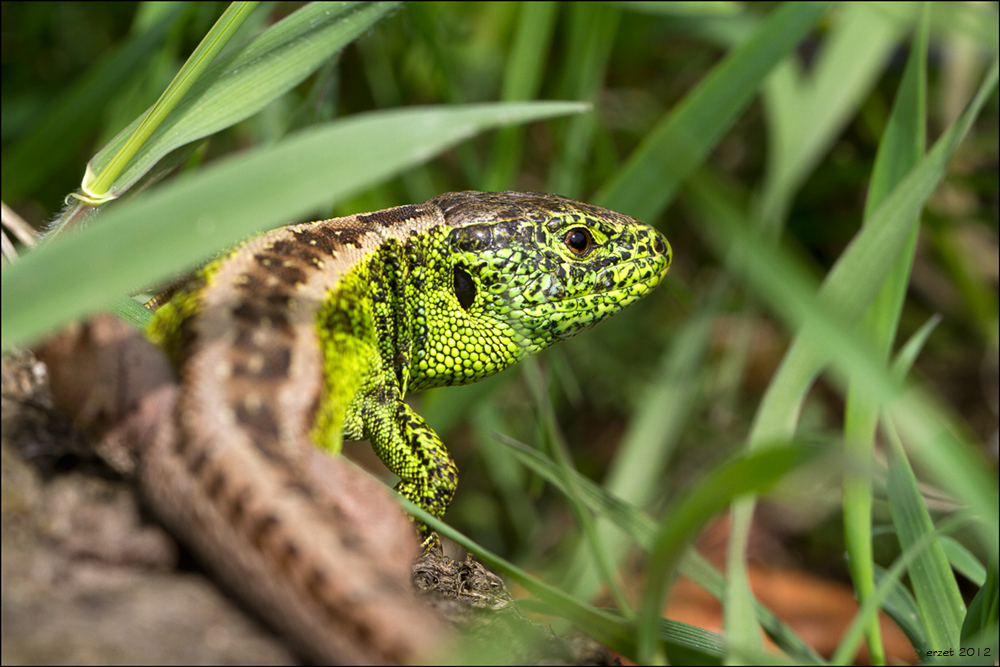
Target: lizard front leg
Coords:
[(413, 451)]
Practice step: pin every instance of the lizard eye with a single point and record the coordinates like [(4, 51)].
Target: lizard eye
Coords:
[(579, 241), (465, 288)]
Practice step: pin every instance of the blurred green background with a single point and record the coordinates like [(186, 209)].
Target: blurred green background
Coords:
[(670, 388)]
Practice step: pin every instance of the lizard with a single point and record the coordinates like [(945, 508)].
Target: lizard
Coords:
[(314, 333)]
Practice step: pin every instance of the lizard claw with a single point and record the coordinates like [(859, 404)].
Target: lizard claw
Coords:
[(431, 543)]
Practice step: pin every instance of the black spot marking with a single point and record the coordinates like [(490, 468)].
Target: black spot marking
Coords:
[(279, 300), (181, 446), (250, 283), (283, 247), (348, 236), (364, 633), (196, 464), (315, 583), (314, 238), (390, 217), (259, 420), (288, 557), (216, 484), (262, 528), (254, 311), (238, 507), (275, 364), (300, 488), (280, 269), (350, 541), (316, 588), (243, 338), (271, 450)]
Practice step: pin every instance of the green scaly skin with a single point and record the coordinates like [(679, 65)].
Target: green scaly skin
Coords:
[(483, 280)]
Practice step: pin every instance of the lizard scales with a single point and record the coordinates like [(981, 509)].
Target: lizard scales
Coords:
[(315, 332)]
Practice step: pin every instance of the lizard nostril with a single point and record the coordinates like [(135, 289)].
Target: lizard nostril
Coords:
[(659, 246)]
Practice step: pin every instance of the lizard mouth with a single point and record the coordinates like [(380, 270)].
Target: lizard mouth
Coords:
[(644, 273), (561, 315), (558, 305)]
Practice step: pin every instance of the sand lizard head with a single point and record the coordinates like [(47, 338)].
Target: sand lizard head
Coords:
[(523, 271)]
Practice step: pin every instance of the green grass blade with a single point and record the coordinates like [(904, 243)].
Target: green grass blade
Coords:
[(560, 453), (97, 183), (887, 583), (592, 30), (426, 20), (854, 280), (642, 530), (243, 82), (979, 630), (723, 8), (62, 130), (807, 113), (522, 81), (899, 604), (976, 292), (682, 140), (847, 291), (859, 273), (173, 228), (954, 20), (676, 640), (964, 561), (606, 626), (684, 644), (506, 475), (696, 567), (688, 515), (901, 147), (636, 474), (689, 645), (385, 89), (911, 349), (934, 585), (634, 523)]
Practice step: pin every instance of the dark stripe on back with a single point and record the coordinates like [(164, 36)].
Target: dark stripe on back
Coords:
[(260, 420), (275, 363), (391, 217), (252, 312), (319, 239), (280, 268)]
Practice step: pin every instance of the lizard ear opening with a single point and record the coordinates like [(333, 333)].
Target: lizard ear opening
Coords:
[(465, 288)]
